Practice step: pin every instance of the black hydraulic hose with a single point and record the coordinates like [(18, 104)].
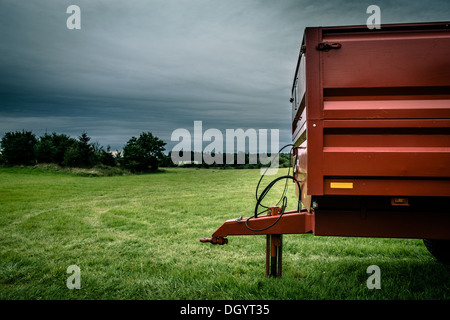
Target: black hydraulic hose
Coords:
[(285, 186), (279, 217), (284, 199), (269, 186)]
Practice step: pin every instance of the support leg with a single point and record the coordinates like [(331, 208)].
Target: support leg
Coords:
[(280, 254), (273, 255), (267, 254)]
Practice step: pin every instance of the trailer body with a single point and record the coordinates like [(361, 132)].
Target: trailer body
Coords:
[(371, 140), (371, 126)]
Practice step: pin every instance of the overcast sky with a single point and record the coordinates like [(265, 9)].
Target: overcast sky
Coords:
[(159, 65)]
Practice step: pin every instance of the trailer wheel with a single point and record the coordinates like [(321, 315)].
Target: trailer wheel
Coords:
[(439, 248)]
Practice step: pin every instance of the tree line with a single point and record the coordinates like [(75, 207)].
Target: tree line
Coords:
[(249, 161), (140, 154)]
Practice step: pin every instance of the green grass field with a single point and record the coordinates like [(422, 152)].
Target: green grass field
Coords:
[(137, 237)]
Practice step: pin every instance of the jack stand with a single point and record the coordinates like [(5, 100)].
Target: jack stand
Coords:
[(274, 246)]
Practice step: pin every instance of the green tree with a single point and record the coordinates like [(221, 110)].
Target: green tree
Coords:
[(80, 153), (61, 143), (44, 149), (18, 148), (144, 153), (106, 157), (51, 148)]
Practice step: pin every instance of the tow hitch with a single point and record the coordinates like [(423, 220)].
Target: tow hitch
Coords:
[(273, 224)]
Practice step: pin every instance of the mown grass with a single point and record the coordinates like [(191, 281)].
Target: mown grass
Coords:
[(137, 237)]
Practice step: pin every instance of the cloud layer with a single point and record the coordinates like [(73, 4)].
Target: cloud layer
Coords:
[(160, 65)]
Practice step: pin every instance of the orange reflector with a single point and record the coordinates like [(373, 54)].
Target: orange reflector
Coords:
[(399, 201), (341, 185)]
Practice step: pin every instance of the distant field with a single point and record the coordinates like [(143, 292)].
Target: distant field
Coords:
[(137, 237)]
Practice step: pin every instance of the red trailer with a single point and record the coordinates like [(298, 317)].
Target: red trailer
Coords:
[(371, 137)]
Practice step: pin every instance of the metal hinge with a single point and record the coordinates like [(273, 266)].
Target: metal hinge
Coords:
[(325, 46)]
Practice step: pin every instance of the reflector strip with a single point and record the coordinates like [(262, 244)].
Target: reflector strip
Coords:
[(341, 185)]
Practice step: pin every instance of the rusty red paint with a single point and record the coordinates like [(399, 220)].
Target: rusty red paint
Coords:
[(377, 110)]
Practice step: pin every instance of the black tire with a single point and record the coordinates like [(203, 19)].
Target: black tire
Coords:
[(439, 248)]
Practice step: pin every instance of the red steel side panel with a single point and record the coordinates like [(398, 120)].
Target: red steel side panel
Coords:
[(367, 60)]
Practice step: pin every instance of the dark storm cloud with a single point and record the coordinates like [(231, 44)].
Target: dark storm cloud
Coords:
[(160, 65)]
